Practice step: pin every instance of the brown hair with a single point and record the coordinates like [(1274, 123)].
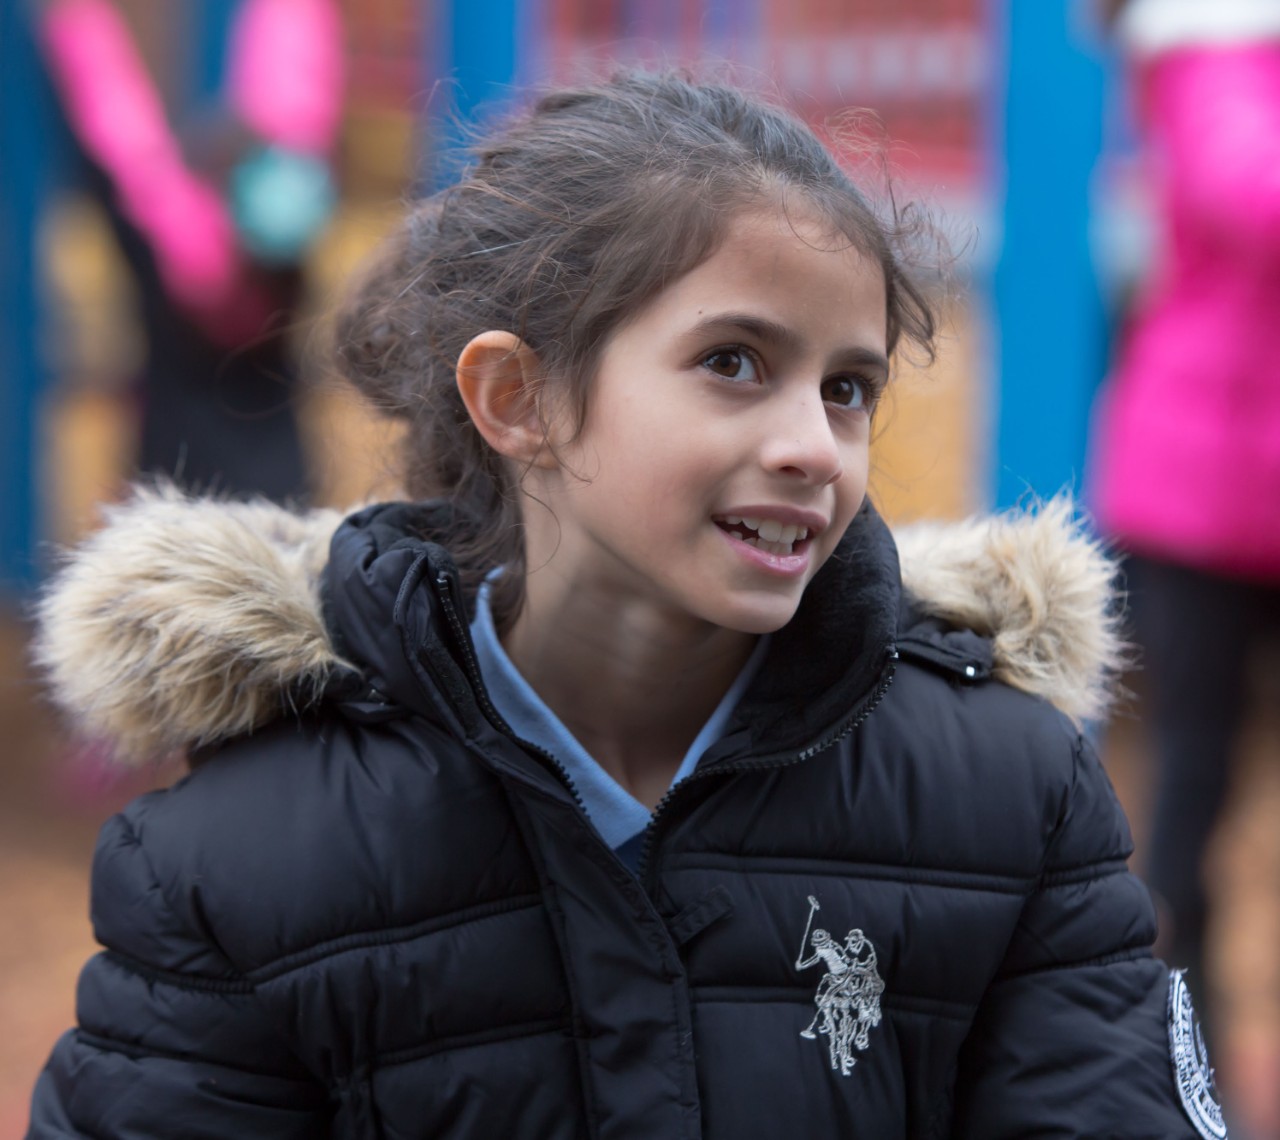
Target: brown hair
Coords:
[(576, 212)]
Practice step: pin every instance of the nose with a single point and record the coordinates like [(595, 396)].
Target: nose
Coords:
[(802, 443)]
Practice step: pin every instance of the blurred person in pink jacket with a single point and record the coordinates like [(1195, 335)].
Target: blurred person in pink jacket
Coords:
[(215, 214), (1186, 462), (216, 217)]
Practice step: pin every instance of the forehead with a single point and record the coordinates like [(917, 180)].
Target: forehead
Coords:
[(790, 267)]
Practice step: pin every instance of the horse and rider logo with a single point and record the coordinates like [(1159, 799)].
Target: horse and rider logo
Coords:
[(848, 997)]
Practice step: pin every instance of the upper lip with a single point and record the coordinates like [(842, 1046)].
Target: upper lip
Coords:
[(813, 521)]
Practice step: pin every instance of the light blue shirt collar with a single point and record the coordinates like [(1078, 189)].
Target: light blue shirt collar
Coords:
[(616, 814)]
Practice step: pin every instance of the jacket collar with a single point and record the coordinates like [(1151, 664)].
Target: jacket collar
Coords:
[(185, 621), (832, 655), (393, 560)]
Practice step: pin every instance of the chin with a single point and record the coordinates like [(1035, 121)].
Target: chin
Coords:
[(757, 619)]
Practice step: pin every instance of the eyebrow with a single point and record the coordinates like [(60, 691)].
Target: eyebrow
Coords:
[(778, 335)]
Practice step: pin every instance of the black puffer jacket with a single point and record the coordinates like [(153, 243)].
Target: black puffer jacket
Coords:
[(382, 917)]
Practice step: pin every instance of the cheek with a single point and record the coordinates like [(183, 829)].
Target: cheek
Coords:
[(856, 456), (666, 462), (858, 471), (852, 488)]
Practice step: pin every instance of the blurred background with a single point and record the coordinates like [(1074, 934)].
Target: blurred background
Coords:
[(185, 187)]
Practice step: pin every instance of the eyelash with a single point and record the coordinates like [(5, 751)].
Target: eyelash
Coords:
[(870, 388)]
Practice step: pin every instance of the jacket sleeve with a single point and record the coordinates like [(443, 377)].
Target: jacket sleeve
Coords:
[(171, 1041), (1072, 1036)]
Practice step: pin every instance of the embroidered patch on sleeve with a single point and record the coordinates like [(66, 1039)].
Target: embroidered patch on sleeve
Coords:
[(1191, 1071)]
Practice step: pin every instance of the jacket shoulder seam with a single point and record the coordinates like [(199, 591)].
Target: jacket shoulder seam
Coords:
[(1082, 872), (196, 982), (543, 1027), (300, 959), (989, 882), (205, 938), (133, 1050)]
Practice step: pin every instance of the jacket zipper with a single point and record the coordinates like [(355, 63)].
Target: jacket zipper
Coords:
[(450, 602), (448, 599), (850, 725)]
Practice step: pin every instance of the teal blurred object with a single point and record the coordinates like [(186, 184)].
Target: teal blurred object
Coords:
[(280, 200)]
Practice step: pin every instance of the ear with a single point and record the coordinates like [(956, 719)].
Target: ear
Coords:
[(498, 378)]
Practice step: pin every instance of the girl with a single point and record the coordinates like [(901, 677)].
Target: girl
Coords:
[(517, 809)]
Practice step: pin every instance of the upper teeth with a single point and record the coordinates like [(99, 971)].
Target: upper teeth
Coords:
[(770, 529)]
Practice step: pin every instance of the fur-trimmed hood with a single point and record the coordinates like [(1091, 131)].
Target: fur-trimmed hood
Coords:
[(184, 621)]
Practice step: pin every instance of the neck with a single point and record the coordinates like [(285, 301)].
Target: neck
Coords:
[(633, 684)]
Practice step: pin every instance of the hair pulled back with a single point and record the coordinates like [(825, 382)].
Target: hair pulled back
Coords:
[(576, 212)]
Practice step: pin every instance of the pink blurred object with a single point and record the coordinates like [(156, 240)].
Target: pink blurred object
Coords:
[(116, 112), (285, 81), (1188, 443), (89, 778), (285, 76)]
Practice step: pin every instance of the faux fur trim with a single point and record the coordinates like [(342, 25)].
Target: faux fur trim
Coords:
[(182, 621), (1039, 585)]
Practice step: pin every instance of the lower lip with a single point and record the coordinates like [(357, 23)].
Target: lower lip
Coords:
[(791, 565)]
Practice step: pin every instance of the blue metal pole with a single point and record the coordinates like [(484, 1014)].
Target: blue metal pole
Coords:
[(472, 46), (28, 123), (482, 43), (1051, 327), (207, 30)]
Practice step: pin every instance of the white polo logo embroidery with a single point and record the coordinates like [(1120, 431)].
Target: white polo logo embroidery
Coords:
[(848, 997), (1191, 1071)]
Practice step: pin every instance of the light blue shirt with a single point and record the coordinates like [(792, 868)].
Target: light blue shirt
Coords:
[(616, 813)]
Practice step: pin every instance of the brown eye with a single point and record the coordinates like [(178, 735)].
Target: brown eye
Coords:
[(845, 391), (732, 364)]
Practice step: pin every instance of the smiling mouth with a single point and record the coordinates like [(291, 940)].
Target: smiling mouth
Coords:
[(766, 534)]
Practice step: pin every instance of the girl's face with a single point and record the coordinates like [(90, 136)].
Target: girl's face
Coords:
[(724, 450)]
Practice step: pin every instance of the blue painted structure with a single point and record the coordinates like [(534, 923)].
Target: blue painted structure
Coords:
[(37, 160), (1051, 326), (472, 47), (29, 136), (205, 26), (482, 43)]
